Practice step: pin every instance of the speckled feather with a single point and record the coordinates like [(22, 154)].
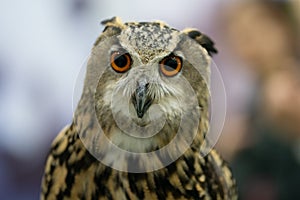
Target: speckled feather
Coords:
[(71, 172)]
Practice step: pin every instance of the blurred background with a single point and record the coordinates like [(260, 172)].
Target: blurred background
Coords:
[(43, 45)]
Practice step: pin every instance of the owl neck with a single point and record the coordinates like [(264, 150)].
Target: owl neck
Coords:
[(87, 125)]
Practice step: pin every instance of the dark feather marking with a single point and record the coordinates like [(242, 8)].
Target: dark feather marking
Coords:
[(150, 185), (50, 183), (72, 169), (213, 179), (208, 184), (133, 180), (163, 184), (49, 186), (204, 41), (63, 157), (127, 195), (102, 190), (82, 197), (60, 195), (190, 163), (194, 34), (100, 180), (69, 182), (83, 163), (194, 194)]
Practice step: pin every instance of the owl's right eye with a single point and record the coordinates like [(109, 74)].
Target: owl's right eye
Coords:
[(120, 62)]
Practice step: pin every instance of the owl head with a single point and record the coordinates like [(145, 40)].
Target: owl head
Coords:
[(146, 85)]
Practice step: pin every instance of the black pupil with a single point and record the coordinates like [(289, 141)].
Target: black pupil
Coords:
[(121, 61), (171, 64)]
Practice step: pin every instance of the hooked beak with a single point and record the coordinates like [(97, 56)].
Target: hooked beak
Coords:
[(140, 99)]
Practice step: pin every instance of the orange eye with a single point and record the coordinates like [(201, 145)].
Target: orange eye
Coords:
[(120, 62), (170, 65)]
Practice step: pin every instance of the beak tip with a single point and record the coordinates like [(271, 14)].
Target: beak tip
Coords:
[(140, 114)]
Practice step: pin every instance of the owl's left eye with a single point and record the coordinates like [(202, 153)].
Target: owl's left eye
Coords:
[(170, 65), (120, 62)]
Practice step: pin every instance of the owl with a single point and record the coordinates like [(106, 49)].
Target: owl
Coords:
[(141, 122)]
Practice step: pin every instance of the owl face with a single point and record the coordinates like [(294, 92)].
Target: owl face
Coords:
[(144, 76), (150, 81)]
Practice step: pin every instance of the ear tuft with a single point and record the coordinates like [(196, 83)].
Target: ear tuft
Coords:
[(113, 26), (202, 39), (113, 22)]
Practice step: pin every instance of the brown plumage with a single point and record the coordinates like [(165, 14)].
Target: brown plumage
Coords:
[(80, 164)]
